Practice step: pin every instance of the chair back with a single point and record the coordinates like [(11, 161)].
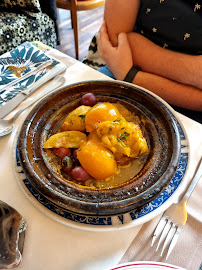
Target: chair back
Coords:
[(74, 6)]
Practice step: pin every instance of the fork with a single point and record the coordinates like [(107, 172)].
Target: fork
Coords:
[(174, 218)]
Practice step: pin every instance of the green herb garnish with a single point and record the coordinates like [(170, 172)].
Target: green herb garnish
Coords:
[(124, 135), (117, 121), (140, 151), (110, 128), (119, 140), (82, 116)]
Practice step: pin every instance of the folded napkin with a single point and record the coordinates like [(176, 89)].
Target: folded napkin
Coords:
[(23, 70), (187, 253), (20, 63)]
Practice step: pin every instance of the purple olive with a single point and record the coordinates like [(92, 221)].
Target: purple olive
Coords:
[(75, 156), (67, 164), (88, 99), (79, 174), (61, 151)]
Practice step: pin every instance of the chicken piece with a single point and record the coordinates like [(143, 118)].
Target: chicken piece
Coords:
[(127, 115), (123, 137), (94, 136)]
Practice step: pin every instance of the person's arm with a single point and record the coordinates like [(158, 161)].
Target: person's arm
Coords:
[(152, 58), (177, 94), (120, 16), (119, 60)]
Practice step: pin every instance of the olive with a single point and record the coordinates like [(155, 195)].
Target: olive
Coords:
[(62, 151), (88, 99), (79, 174), (67, 164), (75, 156)]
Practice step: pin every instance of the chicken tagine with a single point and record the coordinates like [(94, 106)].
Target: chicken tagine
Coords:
[(99, 144)]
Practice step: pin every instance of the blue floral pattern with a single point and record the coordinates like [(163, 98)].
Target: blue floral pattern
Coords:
[(113, 221), (15, 64), (30, 57)]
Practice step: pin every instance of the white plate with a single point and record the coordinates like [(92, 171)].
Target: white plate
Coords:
[(145, 266), (107, 223)]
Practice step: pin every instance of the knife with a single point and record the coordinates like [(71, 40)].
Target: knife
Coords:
[(14, 102)]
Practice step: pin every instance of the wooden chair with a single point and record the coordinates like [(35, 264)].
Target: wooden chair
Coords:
[(74, 6)]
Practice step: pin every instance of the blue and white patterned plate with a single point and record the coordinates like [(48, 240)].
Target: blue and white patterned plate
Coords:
[(132, 218)]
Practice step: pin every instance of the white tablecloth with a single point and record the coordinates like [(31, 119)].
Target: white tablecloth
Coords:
[(51, 245)]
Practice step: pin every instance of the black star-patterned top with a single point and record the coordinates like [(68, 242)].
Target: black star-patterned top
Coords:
[(172, 24)]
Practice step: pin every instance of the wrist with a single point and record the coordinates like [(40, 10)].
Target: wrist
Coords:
[(120, 73), (131, 74)]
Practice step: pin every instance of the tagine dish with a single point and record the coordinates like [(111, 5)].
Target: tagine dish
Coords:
[(99, 148)]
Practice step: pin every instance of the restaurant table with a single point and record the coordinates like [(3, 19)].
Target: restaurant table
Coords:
[(51, 245)]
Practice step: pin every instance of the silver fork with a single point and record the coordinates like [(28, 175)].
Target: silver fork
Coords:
[(174, 218)]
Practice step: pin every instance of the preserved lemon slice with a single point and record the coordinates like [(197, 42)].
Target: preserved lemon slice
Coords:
[(68, 139), (75, 120)]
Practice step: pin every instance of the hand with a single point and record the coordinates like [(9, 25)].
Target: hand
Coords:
[(118, 59)]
